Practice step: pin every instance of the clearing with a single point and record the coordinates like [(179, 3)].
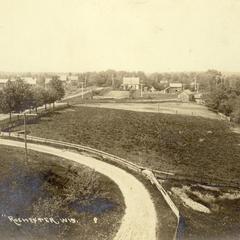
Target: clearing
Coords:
[(190, 109)]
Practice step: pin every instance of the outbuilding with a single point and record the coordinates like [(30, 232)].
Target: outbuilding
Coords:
[(186, 96)]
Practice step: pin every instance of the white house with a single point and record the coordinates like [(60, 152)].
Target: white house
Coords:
[(164, 81), (131, 83), (30, 80), (64, 77), (47, 80), (3, 82), (72, 78)]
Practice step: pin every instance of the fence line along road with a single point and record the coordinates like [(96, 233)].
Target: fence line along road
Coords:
[(147, 173)]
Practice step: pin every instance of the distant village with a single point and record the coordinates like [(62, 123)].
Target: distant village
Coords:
[(134, 85), (176, 88)]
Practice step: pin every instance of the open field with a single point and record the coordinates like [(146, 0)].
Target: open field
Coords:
[(51, 187), (180, 108), (188, 145)]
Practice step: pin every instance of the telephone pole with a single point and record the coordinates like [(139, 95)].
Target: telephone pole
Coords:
[(141, 89), (85, 81), (82, 90), (25, 130), (112, 80)]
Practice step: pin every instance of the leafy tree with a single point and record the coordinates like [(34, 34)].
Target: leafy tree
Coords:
[(55, 90), (46, 98), (15, 96), (38, 97)]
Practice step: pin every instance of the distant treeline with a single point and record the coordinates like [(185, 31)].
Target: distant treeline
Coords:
[(205, 80)]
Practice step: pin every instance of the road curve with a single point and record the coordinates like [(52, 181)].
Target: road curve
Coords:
[(140, 219)]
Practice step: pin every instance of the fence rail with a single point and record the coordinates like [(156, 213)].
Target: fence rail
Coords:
[(147, 173), (204, 180)]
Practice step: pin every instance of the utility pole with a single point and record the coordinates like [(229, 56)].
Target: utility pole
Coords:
[(25, 130), (141, 89), (85, 81), (195, 81), (82, 90), (112, 80)]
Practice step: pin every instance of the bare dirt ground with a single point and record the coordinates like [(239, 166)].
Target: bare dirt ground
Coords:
[(165, 107), (139, 221), (117, 94), (79, 93)]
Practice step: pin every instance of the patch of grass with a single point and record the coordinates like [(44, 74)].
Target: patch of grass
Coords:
[(52, 187)]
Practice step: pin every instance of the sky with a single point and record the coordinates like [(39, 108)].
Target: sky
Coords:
[(131, 35)]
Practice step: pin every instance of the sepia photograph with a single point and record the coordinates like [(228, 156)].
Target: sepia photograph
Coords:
[(119, 120)]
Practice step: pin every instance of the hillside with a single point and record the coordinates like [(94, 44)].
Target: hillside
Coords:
[(193, 146)]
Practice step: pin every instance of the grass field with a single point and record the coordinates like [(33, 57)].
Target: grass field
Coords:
[(188, 145), (51, 187)]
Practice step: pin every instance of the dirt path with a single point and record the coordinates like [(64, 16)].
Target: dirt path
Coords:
[(139, 221), (189, 109)]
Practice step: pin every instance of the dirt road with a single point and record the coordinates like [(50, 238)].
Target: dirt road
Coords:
[(76, 95), (189, 109), (40, 109), (139, 221)]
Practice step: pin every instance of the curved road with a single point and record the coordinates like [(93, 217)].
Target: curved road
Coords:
[(139, 221)]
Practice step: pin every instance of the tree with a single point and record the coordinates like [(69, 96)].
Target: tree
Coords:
[(55, 90), (15, 96), (38, 97), (46, 98)]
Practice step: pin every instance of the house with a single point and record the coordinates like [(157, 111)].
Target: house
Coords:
[(186, 96), (173, 88), (3, 83), (64, 78), (35, 81), (47, 80), (41, 81), (164, 81), (131, 83), (198, 97), (30, 80), (73, 79)]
